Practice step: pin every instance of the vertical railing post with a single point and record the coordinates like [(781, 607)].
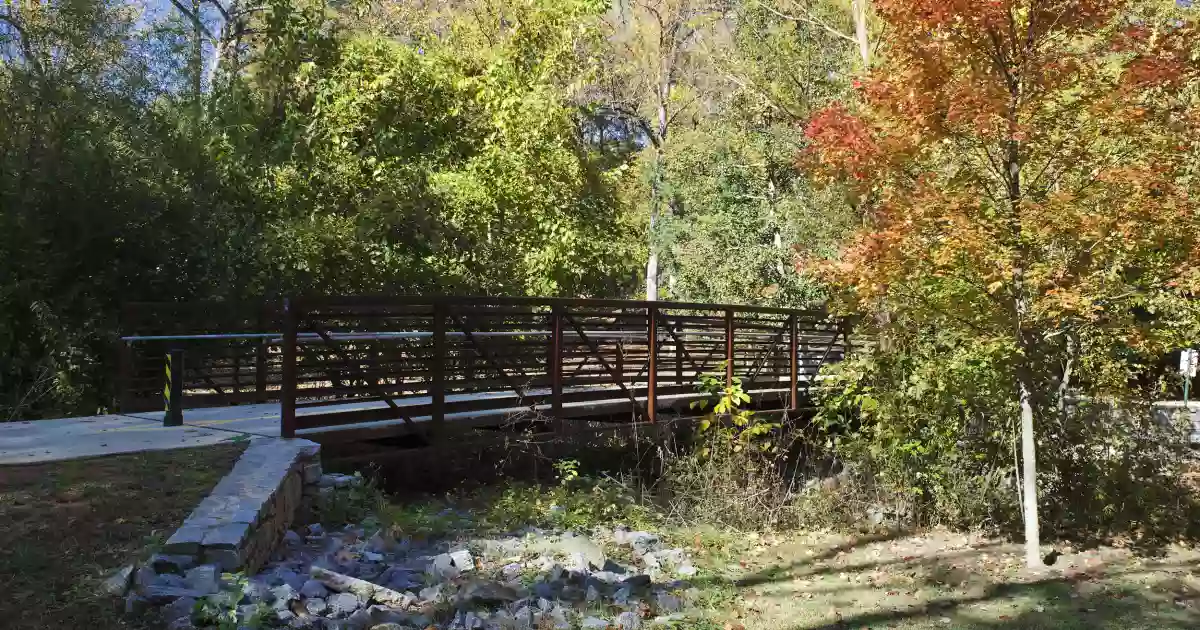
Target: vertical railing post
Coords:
[(437, 388), (173, 389), (728, 347), (287, 402), (260, 371), (619, 344), (652, 366), (678, 337), (555, 364), (794, 362), (237, 378)]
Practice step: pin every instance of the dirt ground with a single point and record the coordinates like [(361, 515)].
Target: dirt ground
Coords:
[(946, 580), (63, 526)]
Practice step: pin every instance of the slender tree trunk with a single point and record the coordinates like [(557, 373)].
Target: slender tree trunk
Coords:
[(859, 8), (656, 191), (652, 260), (1033, 556), (196, 64)]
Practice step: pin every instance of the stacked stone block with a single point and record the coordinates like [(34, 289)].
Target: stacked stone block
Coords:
[(238, 525)]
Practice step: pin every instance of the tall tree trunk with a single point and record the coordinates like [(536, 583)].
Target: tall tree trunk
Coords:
[(664, 93), (197, 61), (859, 8), (1012, 159), (652, 260)]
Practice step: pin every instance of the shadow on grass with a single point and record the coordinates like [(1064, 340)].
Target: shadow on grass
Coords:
[(1059, 605)]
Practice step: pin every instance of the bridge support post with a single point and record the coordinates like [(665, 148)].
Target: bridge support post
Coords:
[(437, 388), (652, 366), (173, 390), (287, 401), (555, 364)]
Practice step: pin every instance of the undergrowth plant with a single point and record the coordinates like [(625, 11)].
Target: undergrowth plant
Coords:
[(729, 472)]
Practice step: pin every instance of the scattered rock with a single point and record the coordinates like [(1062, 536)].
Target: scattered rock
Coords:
[(258, 591), (166, 563), (119, 583), (593, 623), (313, 588), (483, 592), (571, 544), (511, 570), (292, 539), (204, 579), (442, 567), (363, 589), (636, 581), (162, 595), (431, 593), (180, 608), (686, 570), (547, 589), (642, 543), (136, 604), (613, 567), (377, 615), (667, 603), (462, 560), (629, 621), (342, 604), (315, 606), (181, 623), (283, 594)]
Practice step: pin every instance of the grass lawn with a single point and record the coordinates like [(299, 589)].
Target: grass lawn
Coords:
[(942, 580), (66, 524)]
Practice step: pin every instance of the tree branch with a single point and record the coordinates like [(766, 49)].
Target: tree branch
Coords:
[(808, 19), (195, 19)]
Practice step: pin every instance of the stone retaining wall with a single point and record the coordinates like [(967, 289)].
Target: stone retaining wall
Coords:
[(239, 524)]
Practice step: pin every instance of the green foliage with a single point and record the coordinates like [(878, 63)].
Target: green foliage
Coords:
[(577, 502), (743, 215), (358, 503), (728, 424), (926, 430)]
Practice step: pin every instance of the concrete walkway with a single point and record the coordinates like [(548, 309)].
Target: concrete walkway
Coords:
[(73, 438)]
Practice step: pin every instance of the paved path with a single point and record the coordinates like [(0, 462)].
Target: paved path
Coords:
[(73, 438)]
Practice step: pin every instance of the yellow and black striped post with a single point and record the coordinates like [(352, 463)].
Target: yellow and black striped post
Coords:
[(173, 390)]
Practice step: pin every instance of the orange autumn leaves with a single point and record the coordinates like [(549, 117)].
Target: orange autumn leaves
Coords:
[(1097, 119)]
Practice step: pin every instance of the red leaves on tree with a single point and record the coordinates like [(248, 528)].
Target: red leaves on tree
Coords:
[(1055, 137), (841, 145)]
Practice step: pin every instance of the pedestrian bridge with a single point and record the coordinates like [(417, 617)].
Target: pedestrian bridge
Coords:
[(354, 368)]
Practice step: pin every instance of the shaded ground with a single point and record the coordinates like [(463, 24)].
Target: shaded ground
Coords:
[(944, 580), (822, 581), (66, 524)]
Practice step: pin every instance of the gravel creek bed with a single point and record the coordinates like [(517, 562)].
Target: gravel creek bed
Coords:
[(356, 578)]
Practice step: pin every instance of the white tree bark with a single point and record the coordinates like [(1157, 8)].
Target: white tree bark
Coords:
[(1033, 553), (861, 35)]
